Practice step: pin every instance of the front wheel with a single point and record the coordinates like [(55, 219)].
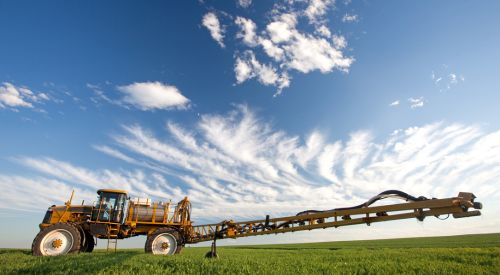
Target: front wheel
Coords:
[(164, 241), (57, 239)]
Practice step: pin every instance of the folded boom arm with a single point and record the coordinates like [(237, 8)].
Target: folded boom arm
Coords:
[(414, 207)]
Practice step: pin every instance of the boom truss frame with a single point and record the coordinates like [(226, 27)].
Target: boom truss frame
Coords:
[(456, 206)]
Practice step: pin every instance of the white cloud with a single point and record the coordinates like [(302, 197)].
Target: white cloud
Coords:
[(247, 31), (12, 96), (339, 41), (301, 51), (290, 46), (317, 9), (100, 95), (244, 3), (444, 79), (324, 31), (243, 70), (394, 103), (272, 50), (350, 18), (211, 22), (416, 102), (236, 165), (453, 78), (35, 194), (247, 67), (283, 29), (153, 95), (307, 53), (113, 153), (136, 182)]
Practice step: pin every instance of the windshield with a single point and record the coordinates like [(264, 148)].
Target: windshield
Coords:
[(109, 207)]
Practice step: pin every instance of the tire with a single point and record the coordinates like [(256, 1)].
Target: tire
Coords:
[(90, 242), (57, 239), (87, 240), (179, 249), (164, 241)]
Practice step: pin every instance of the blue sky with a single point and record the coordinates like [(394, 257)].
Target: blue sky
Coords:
[(249, 107)]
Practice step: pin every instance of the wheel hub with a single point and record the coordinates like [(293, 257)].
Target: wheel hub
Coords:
[(164, 246), (57, 243)]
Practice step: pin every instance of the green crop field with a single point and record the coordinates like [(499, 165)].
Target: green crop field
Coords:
[(469, 254)]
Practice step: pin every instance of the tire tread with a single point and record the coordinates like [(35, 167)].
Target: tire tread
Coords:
[(35, 246), (148, 246)]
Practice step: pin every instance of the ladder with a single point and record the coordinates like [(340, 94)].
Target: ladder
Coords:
[(112, 244), (112, 238)]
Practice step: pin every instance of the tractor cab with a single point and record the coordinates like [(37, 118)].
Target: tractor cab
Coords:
[(109, 206)]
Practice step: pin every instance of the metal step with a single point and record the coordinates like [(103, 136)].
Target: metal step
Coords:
[(112, 244)]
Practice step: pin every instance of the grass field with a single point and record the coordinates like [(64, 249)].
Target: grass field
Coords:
[(469, 254)]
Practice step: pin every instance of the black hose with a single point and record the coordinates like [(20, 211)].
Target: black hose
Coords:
[(384, 195), (381, 196)]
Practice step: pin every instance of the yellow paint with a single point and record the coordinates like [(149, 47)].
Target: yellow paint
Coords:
[(56, 243), (180, 219)]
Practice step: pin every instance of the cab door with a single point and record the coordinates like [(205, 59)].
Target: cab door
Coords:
[(109, 207)]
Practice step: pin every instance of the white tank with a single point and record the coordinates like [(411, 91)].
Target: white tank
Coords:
[(144, 212)]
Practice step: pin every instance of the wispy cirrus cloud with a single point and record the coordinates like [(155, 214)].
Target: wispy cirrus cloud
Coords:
[(416, 102), (136, 181), (295, 38), (37, 193), (445, 79), (394, 103), (350, 18), (237, 165), (13, 97)]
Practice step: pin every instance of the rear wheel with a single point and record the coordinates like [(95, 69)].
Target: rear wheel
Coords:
[(87, 240), (57, 239), (90, 242), (164, 241), (179, 248)]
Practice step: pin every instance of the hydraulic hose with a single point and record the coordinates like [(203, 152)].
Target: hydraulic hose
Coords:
[(384, 195)]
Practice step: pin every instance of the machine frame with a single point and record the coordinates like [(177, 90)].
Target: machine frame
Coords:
[(72, 228)]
